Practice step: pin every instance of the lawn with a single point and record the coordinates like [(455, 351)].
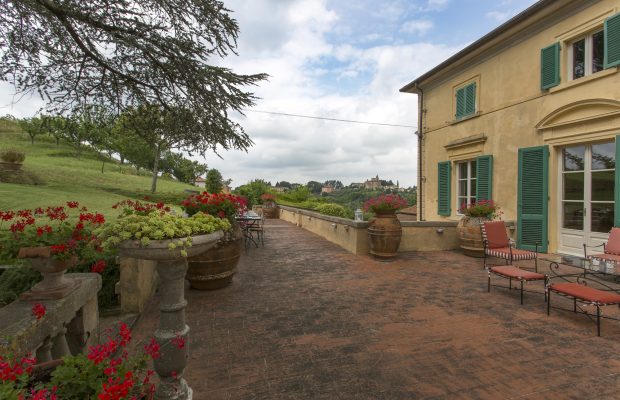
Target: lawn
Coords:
[(65, 177)]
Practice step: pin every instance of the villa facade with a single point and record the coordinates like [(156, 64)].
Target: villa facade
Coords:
[(528, 116)]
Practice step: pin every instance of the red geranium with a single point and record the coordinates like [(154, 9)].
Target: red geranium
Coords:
[(216, 204), (38, 310), (385, 203)]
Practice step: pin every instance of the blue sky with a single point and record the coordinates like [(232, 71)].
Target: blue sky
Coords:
[(341, 59)]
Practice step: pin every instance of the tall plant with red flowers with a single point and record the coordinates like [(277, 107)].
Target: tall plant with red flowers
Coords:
[(216, 204), (65, 229)]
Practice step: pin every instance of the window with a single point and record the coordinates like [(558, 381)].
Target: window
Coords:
[(465, 100), (586, 55), (466, 184)]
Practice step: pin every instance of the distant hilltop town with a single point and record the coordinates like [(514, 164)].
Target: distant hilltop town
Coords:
[(370, 184)]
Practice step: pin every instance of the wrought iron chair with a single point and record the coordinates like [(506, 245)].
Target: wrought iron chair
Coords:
[(258, 229), (611, 250), (497, 244)]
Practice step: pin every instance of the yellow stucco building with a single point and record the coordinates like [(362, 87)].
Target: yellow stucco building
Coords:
[(529, 116)]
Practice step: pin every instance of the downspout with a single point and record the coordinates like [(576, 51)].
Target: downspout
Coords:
[(420, 134)]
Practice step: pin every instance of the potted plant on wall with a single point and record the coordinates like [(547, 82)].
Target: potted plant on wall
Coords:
[(11, 160), (384, 230), (270, 208), (468, 227), (50, 240), (214, 269), (151, 232)]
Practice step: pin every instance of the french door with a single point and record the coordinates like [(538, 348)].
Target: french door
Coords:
[(587, 196)]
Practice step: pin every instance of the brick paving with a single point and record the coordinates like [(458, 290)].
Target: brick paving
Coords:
[(305, 319)]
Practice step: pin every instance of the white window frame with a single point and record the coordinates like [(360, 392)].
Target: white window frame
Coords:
[(588, 55), (469, 178)]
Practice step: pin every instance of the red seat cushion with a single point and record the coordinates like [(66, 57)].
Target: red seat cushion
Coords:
[(613, 243), (496, 234), (510, 271), (517, 254), (586, 293)]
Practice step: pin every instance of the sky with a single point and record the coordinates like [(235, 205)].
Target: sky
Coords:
[(340, 59)]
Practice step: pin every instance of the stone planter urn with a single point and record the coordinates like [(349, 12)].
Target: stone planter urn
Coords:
[(215, 268), (470, 235), (384, 234), (54, 284), (171, 267)]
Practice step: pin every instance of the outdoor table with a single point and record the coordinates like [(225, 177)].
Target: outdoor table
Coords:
[(247, 221)]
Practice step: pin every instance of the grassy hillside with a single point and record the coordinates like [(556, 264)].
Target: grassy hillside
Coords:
[(64, 178)]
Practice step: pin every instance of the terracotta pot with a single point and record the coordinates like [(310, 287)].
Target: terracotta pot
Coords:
[(215, 268), (470, 236), (54, 284), (270, 210), (384, 234), (8, 166)]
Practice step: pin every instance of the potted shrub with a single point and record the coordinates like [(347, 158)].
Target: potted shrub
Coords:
[(151, 232), (11, 159), (214, 269), (51, 241), (468, 227), (270, 208), (384, 230)]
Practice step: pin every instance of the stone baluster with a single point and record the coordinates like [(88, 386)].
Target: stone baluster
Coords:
[(60, 347), (171, 364), (44, 352)]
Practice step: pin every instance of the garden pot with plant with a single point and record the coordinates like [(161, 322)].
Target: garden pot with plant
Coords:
[(150, 232), (50, 240), (468, 227), (384, 230), (215, 268), (270, 208), (11, 160)]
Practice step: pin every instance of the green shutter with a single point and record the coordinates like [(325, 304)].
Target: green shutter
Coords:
[(550, 66), (460, 103), (617, 185), (484, 178), (612, 41), (533, 198), (443, 183), (470, 99)]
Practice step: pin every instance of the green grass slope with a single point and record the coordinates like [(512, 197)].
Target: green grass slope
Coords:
[(64, 178)]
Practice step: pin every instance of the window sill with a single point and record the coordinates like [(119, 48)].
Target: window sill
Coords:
[(468, 117), (585, 79)]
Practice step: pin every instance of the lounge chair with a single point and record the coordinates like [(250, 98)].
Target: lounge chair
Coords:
[(497, 244)]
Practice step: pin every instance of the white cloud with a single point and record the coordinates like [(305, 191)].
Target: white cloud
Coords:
[(499, 15), (436, 5), (419, 27)]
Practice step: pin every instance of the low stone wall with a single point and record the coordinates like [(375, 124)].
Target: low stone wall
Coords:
[(137, 284), (69, 325), (352, 235)]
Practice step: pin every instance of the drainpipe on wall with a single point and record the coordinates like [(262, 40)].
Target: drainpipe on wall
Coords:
[(420, 134)]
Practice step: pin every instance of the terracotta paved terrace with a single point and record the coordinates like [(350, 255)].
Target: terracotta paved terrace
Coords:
[(305, 319)]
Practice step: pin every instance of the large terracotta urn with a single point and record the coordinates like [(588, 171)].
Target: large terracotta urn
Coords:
[(54, 284), (470, 235), (270, 209), (215, 268), (171, 268), (384, 234)]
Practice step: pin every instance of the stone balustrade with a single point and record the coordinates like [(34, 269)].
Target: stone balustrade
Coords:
[(69, 325)]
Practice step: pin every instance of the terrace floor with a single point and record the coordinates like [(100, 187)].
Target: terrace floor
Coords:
[(305, 319)]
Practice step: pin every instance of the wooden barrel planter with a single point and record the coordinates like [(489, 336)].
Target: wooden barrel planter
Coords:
[(470, 236), (215, 268), (384, 234)]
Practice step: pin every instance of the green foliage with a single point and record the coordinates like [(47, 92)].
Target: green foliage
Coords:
[(33, 127), (252, 191), (155, 226), (181, 168), (335, 210), (297, 195), (314, 187), (213, 182), (12, 156), (9, 123), (16, 280)]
